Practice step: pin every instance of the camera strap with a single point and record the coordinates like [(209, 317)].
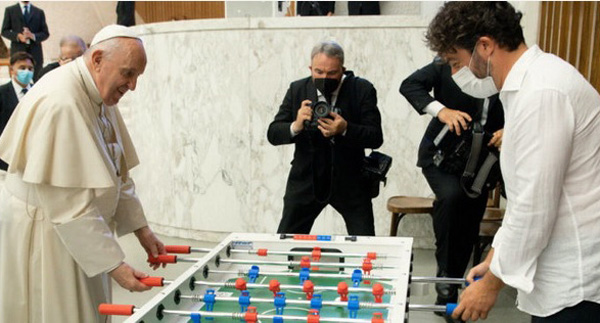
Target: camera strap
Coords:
[(331, 143), (474, 179)]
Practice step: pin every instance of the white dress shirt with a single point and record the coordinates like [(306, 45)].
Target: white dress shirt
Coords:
[(23, 7), (549, 244), (18, 89), (434, 108)]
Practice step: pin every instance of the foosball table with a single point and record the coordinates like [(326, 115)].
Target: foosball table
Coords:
[(286, 278)]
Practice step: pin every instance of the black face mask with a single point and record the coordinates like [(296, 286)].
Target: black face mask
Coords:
[(326, 85)]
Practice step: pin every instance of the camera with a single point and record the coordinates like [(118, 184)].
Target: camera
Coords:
[(321, 109)]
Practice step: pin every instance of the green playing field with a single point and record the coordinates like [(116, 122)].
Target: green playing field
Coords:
[(297, 294)]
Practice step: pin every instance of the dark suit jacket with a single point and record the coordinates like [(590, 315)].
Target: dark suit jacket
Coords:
[(49, 68), (13, 24), (8, 102), (363, 8), (438, 76), (357, 100), (126, 13), (315, 8)]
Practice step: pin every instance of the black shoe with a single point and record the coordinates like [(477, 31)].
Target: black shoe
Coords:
[(446, 317), (449, 319), (446, 293)]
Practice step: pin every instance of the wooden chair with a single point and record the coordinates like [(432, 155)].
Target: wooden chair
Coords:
[(402, 205), (490, 223)]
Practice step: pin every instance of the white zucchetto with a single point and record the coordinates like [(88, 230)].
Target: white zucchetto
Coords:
[(113, 31)]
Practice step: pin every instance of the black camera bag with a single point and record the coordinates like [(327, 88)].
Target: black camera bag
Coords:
[(375, 169)]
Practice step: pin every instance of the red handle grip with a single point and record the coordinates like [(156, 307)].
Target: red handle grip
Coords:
[(178, 249), (115, 309), (152, 281), (163, 259)]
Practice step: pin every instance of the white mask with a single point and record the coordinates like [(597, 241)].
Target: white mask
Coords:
[(472, 85)]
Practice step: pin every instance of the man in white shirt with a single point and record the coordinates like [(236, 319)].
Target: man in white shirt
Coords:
[(21, 71), (548, 247)]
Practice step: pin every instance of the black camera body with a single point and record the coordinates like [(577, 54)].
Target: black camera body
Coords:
[(321, 109)]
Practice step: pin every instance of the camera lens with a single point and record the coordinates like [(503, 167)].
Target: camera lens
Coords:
[(322, 109)]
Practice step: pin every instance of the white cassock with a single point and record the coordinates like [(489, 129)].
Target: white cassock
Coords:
[(66, 193)]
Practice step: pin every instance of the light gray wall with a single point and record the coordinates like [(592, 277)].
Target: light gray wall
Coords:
[(235, 9)]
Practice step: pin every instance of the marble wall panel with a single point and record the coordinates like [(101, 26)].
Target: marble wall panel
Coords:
[(201, 110)]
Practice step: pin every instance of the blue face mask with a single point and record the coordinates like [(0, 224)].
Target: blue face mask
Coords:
[(24, 76)]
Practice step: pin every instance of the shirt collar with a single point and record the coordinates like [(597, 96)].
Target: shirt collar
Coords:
[(89, 83), (18, 88), (519, 69), (23, 6)]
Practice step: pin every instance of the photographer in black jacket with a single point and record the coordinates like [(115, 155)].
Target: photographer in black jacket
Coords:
[(456, 216), (328, 158)]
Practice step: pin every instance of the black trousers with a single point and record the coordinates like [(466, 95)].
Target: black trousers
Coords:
[(584, 312), (456, 219), (300, 214)]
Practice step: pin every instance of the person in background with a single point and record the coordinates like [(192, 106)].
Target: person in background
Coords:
[(126, 13), (329, 150), (25, 26), (456, 216), (315, 8), (71, 47), (362, 8), (21, 74)]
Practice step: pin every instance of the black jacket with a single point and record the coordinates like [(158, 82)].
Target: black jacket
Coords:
[(438, 76), (315, 8), (126, 13), (357, 100), (13, 24), (356, 8), (8, 102), (49, 68)]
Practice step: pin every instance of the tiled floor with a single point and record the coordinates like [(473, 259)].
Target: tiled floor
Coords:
[(424, 265)]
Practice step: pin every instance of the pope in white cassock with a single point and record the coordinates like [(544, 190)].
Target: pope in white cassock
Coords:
[(68, 190)]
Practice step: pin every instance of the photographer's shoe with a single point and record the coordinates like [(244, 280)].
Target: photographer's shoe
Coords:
[(446, 293)]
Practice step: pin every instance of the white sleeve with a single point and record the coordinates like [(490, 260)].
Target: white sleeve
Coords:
[(541, 135), (434, 108), (292, 132), (81, 227), (129, 215)]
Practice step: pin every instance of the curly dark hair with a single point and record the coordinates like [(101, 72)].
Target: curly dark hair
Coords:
[(459, 24)]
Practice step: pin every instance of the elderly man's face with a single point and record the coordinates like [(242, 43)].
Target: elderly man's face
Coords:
[(118, 72), (324, 66), (69, 52)]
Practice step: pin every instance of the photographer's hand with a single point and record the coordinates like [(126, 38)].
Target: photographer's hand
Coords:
[(332, 127), (497, 139), (454, 119), (304, 114)]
